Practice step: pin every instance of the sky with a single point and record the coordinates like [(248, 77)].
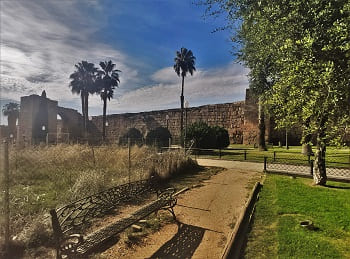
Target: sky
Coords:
[(42, 40)]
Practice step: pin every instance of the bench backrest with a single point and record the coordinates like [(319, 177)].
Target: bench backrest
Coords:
[(72, 218)]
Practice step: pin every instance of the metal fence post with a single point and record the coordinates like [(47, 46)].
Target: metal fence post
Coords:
[(5, 167), (129, 160), (245, 154), (274, 156), (312, 167), (265, 163), (220, 153)]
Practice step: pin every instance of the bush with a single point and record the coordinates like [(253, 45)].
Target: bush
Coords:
[(158, 137), (87, 183), (208, 137), (136, 137), (170, 164), (222, 137)]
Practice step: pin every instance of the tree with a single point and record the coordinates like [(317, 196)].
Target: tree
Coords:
[(11, 110), (83, 82), (159, 137), (108, 81), (206, 136), (135, 136), (184, 63), (308, 46), (221, 136)]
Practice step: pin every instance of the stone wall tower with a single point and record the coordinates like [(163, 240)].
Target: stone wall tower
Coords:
[(38, 116)]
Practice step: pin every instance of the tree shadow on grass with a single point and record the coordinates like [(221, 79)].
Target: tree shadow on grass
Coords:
[(183, 244)]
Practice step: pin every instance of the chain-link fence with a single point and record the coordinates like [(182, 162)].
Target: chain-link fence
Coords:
[(45, 176), (337, 165)]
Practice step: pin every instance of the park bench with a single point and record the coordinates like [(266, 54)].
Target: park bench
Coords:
[(71, 221)]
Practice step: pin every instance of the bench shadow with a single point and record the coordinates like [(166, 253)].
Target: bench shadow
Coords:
[(108, 243), (183, 244), (337, 187)]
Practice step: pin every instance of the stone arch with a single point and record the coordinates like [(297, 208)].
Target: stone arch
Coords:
[(71, 122)]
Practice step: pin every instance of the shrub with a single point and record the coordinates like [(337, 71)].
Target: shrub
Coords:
[(36, 232), (136, 137), (88, 183), (158, 137), (222, 137), (170, 164), (208, 137)]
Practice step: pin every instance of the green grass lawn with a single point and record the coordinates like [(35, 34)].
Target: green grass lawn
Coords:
[(336, 157), (285, 202)]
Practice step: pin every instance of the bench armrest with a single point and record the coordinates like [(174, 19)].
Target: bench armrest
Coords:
[(70, 243)]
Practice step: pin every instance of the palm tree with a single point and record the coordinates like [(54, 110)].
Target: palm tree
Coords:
[(108, 81), (184, 63), (11, 110), (84, 83)]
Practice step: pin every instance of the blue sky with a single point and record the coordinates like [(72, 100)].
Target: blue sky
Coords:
[(41, 40)]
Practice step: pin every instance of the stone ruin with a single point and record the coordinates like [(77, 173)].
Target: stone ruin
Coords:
[(38, 122)]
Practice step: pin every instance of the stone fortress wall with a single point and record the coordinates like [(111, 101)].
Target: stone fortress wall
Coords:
[(38, 121), (239, 118)]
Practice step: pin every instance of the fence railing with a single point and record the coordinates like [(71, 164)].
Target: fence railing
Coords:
[(305, 165), (337, 165)]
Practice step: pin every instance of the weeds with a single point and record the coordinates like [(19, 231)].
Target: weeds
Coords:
[(42, 178)]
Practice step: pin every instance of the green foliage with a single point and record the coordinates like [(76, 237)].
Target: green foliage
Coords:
[(158, 137), (11, 109), (222, 137), (184, 62), (83, 82), (135, 136), (208, 137), (298, 55)]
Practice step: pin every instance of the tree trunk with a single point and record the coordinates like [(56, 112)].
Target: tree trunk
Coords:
[(261, 137), (104, 118), (306, 149), (86, 113), (182, 107), (83, 109), (306, 140), (319, 173)]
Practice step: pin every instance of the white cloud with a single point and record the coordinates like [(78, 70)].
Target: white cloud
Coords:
[(40, 43), (42, 40), (225, 84)]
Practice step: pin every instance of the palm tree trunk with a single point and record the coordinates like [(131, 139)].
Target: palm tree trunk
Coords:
[(86, 112), (83, 108), (182, 107), (104, 118), (319, 173), (261, 126)]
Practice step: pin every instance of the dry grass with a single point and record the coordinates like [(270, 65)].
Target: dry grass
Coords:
[(42, 178)]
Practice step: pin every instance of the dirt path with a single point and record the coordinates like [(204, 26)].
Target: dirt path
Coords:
[(206, 216)]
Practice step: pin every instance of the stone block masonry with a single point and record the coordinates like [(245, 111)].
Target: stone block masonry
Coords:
[(239, 118)]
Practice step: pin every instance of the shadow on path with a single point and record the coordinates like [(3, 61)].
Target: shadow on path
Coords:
[(183, 244)]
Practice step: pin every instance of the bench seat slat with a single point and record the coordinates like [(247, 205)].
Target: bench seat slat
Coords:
[(113, 229)]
